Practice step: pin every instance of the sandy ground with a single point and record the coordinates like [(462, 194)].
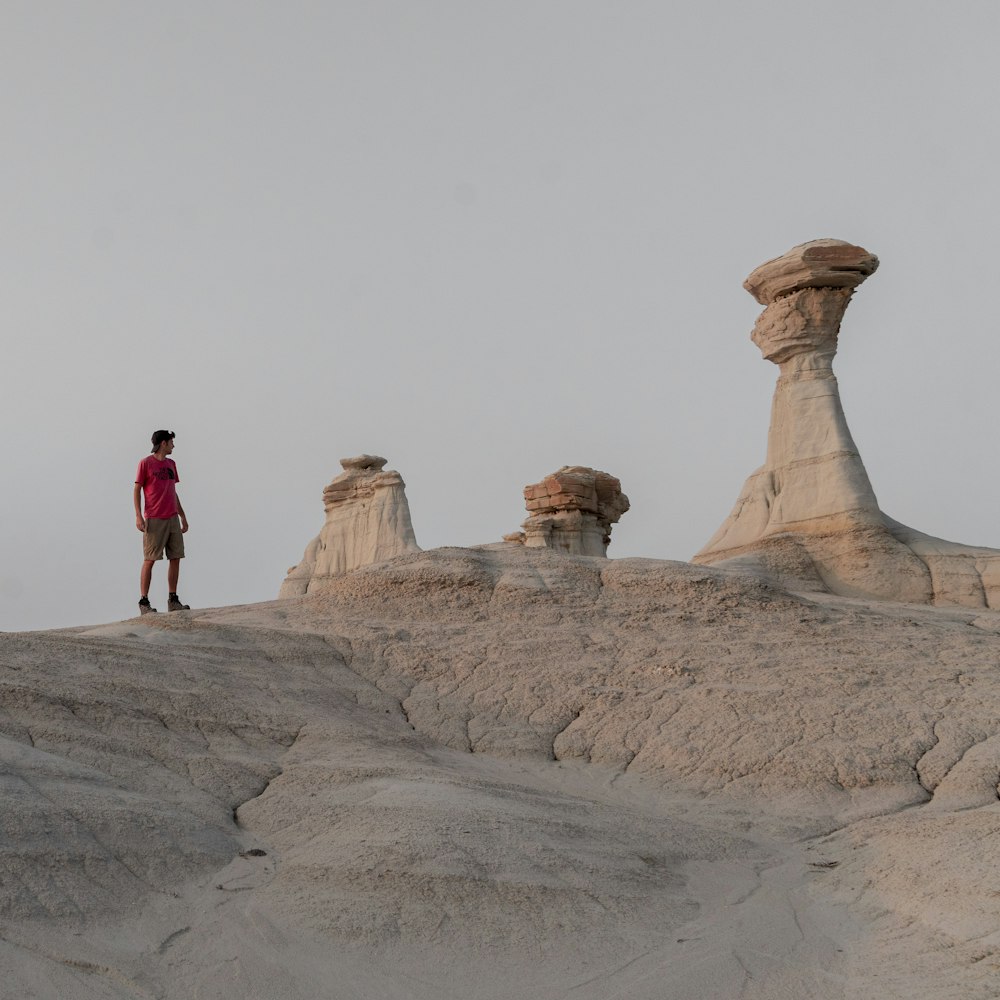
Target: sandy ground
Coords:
[(498, 774)]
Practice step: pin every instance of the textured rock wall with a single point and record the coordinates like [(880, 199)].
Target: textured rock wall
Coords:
[(367, 521)]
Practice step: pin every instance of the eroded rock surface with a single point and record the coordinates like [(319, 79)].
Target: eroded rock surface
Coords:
[(542, 774), (572, 511), (367, 520), (809, 515)]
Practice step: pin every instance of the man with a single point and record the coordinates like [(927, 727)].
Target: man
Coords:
[(164, 524)]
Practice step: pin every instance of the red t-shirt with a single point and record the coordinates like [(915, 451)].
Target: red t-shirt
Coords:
[(159, 486)]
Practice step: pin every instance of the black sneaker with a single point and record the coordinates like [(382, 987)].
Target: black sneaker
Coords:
[(145, 608), (174, 604)]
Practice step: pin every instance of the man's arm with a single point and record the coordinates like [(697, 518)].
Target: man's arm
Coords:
[(180, 510), (136, 496)]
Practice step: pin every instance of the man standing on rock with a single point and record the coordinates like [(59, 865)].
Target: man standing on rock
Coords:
[(164, 523)]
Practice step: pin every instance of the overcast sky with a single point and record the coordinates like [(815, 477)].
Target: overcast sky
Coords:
[(484, 240)]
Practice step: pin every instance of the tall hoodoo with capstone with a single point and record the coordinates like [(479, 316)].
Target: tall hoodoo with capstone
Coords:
[(809, 514), (367, 521), (572, 511)]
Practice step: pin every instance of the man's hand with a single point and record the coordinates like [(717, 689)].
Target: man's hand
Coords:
[(184, 525), (139, 522)]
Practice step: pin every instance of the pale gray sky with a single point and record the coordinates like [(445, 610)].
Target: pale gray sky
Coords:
[(482, 239)]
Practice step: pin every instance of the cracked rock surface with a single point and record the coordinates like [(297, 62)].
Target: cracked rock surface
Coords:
[(506, 772)]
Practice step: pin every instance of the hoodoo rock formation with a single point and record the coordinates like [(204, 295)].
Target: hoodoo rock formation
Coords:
[(367, 521), (809, 516), (572, 511)]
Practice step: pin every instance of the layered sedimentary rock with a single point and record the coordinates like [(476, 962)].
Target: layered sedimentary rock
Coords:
[(367, 521), (572, 511), (809, 515)]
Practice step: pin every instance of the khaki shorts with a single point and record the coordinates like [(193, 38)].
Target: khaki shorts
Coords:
[(163, 533)]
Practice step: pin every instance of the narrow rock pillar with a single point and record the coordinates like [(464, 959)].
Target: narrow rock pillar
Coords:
[(811, 510)]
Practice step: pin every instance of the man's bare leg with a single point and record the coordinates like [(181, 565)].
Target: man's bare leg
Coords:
[(173, 574), (146, 577)]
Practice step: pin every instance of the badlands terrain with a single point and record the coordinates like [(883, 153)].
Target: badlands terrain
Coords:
[(506, 772), (524, 770)]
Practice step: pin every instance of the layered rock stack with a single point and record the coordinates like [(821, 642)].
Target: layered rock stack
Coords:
[(809, 514), (572, 511), (367, 521)]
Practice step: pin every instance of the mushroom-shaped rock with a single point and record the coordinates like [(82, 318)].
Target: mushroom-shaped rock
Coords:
[(818, 264), (367, 521), (809, 515), (572, 511)]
